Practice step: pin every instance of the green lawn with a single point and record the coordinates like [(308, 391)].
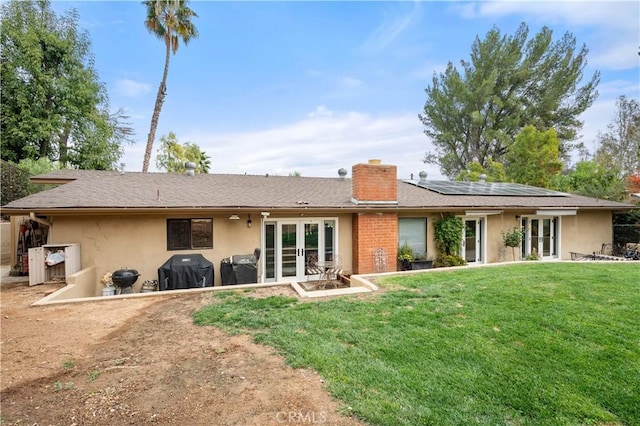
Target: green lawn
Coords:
[(522, 344)]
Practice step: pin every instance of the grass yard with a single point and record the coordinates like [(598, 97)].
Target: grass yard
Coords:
[(522, 344)]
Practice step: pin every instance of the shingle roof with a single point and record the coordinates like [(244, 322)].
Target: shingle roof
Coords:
[(90, 189)]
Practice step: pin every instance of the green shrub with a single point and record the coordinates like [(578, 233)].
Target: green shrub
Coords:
[(533, 255), (444, 260), (448, 234)]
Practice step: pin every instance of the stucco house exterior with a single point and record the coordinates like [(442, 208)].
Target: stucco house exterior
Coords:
[(139, 220)]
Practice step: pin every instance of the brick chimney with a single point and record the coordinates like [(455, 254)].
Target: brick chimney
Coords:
[(374, 183)]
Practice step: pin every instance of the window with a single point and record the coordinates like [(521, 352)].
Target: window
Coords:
[(189, 234), (413, 231)]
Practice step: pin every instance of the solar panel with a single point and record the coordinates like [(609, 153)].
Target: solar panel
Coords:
[(486, 188)]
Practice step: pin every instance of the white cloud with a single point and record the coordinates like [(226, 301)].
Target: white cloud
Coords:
[(615, 88), (351, 82), (321, 144), (595, 120), (393, 24), (132, 88), (320, 111)]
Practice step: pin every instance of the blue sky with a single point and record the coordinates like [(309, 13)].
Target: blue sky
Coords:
[(276, 87)]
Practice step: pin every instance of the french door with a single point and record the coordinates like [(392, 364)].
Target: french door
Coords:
[(290, 244), (472, 249), (540, 237)]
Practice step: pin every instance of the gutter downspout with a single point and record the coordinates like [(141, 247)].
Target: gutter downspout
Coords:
[(34, 218)]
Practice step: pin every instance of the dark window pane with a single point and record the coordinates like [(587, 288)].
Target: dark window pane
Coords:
[(201, 233), (178, 234)]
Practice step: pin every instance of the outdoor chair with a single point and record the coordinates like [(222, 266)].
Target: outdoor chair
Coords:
[(331, 271), (312, 267)]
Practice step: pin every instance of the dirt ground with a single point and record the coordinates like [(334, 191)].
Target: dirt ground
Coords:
[(142, 361)]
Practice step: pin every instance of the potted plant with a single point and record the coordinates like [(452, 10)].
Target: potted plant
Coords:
[(405, 257), (409, 260), (422, 262)]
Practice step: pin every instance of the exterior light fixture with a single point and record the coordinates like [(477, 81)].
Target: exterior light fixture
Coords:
[(249, 222), (234, 217)]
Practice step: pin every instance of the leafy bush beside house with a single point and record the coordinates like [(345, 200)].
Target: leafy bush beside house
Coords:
[(448, 236)]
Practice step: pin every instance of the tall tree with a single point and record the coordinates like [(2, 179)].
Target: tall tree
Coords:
[(494, 172), (170, 21), (510, 82), (591, 179), (534, 157), (634, 182), (52, 99), (619, 145), (172, 155)]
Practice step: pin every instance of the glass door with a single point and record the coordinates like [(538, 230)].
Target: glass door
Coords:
[(288, 249), (310, 253), (534, 228), (540, 237), (269, 251), (472, 240), (546, 238), (299, 242)]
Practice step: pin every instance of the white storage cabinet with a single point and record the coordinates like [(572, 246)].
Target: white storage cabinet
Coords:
[(40, 272)]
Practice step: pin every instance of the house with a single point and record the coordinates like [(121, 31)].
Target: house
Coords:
[(139, 220)]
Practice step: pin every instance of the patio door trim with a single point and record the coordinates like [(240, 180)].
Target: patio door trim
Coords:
[(481, 237), (300, 249), (555, 232)]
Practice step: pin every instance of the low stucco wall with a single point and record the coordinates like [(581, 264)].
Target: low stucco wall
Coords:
[(82, 284), (68, 294)]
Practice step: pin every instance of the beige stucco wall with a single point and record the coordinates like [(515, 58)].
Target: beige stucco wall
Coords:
[(5, 243), (344, 242), (139, 241), (586, 232), (496, 225)]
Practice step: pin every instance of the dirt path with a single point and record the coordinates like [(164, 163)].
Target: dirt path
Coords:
[(142, 361)]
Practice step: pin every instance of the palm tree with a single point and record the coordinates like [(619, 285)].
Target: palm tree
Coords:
[(169, 20)]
